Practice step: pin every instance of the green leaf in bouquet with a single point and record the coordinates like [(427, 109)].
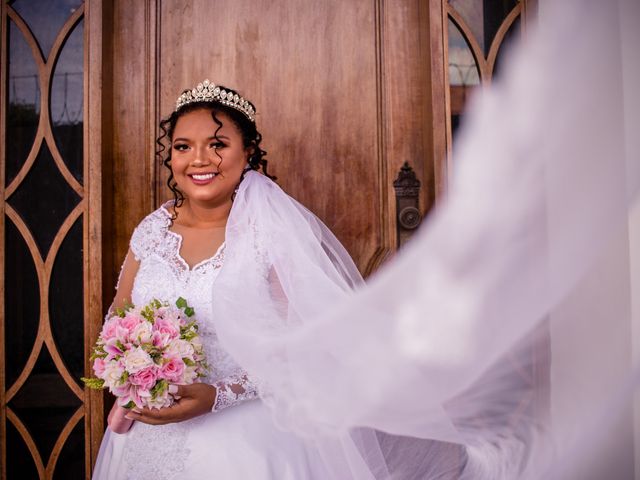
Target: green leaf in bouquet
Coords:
[(188, 327), (148, 313), (97, 353), (189, 312), (159, 388), (130, 404), (95, 383), (189, 335), (181, 303), (124, 377), (187, 361), (155, 304)]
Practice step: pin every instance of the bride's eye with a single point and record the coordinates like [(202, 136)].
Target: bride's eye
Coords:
[(181, 147), (217, 145)]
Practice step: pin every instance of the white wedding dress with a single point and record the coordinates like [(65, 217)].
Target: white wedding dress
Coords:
[(239, 439)]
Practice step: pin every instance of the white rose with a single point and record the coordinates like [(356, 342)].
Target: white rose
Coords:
[(180, 348), (112, 373), (189, 376), (197, 342), (169, 314), (142, 332), (136, 359), (160, 401), (174, 316)]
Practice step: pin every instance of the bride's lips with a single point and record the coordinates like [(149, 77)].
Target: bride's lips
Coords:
[(202, 178)]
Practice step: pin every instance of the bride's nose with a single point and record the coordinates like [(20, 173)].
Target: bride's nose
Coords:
[(201, 157)]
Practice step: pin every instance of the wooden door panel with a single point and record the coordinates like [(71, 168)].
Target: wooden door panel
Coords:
[(311, 72)]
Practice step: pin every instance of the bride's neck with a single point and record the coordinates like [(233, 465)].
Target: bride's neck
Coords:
[(200, 215)]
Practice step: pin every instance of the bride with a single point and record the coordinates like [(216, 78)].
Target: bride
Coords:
[(218, 428)]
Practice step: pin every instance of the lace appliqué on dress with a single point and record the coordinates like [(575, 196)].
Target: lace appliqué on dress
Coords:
[(156, 451), (152, 237)]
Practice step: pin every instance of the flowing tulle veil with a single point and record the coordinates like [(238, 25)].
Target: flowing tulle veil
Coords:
[(531, 244)]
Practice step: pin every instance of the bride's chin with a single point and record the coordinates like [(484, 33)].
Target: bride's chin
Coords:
[(209, 199)]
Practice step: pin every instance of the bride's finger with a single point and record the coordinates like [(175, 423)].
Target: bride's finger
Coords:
[(146, 415)]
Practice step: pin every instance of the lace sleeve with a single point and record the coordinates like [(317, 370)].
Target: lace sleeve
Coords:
[(148, 235), (234, 390)]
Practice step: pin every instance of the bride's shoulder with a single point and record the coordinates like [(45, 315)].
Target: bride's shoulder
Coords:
[(150, 232)]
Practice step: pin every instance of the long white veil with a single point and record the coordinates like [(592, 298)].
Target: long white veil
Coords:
[(522, 273)]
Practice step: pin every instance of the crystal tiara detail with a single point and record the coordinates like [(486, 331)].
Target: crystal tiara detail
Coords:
[(209, 92)]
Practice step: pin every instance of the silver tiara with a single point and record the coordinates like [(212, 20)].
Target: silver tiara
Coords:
[(209, 92)]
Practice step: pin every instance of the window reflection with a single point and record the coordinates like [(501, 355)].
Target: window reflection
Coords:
[(463, 74), (23, 112), (510, 38), (484, 17), (66, 102), (45, 18)]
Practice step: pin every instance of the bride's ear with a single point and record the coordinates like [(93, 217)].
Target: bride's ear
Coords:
[(250, 150)]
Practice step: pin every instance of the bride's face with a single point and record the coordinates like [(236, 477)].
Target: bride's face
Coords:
[(207, 165)]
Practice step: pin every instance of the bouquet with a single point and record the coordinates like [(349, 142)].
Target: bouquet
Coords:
[(141, 351)]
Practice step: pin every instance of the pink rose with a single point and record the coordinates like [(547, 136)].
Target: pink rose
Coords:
[(145, 379), (166, 326), (109, 328), (98, 367), (130, 321), (172, 370)]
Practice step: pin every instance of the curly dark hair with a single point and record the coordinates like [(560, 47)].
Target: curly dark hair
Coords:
[(251, 137)]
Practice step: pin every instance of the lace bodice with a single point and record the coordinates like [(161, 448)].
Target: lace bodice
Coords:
[(165, 275)]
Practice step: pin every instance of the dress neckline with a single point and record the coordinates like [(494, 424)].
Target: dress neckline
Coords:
[(179, 239)]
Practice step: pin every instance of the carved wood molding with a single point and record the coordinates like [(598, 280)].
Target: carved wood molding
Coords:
[(3, 128), (97, 128), (385, 237)]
